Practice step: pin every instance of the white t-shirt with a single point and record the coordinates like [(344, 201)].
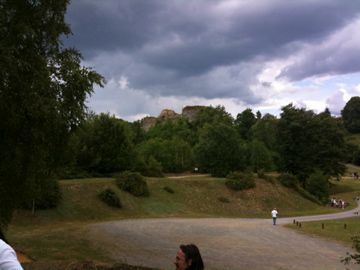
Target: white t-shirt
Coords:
[(274, 213), (8, 259)]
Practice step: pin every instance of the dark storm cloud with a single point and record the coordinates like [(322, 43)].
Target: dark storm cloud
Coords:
[(175, 46), (111, 25)]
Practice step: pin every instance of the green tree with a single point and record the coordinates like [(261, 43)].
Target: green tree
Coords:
[(260, 156), (43, 88), (351, 115), (264, 130), (105, 145), (138, 131), (329, 145), (307, 142), (170, 129), (219, 150), (211, 115), (244, 121), (175, 155)]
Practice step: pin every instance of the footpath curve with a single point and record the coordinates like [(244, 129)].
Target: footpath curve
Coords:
[(346, 214), (225, 243)]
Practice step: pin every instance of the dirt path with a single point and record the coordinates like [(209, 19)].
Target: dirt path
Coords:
[(225, 243)]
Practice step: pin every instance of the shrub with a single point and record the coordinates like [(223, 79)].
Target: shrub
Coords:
[(169, 189), (240, 181), (288, 180), (318, 185), (223, 200), (134, 183), (109, 197)]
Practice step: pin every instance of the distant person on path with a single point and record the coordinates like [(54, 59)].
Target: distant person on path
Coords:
[(274, 214), (8, 259), (188, 258)]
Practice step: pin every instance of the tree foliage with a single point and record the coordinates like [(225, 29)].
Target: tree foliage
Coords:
[(43, 88), (260, 157), (219, 150), (351, 115), (172, 129), (307, 142), (212, 115), (244, 121), (264, 130), (105, 145), (175, 155)]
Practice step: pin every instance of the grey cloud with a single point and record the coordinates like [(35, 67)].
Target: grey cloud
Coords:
[(336, 55), (132, 24), (202, 48), (109, 25), (221, 82)]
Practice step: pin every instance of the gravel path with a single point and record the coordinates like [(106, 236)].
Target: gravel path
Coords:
[(225, 243)]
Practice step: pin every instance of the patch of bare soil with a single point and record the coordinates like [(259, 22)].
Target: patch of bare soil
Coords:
[(23, 258)]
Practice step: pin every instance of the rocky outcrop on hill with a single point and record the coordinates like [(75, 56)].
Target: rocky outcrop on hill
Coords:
[(168, 114), (148, 122), (188, 112)]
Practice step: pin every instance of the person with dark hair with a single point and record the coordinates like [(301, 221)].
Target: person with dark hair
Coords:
[(188, 258), (8, 259)]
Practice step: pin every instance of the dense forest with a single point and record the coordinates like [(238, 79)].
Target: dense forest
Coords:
[(299, 142)]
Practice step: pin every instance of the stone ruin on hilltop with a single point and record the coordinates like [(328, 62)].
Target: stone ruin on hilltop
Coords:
[(188, 112)]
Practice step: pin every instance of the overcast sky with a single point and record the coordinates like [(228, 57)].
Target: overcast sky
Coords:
[(263, 54)]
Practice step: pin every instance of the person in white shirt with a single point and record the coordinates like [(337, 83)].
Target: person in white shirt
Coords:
[(8, 259), (274, 214)]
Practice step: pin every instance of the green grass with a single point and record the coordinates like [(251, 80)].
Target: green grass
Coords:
[(333, 229), (59, 234)]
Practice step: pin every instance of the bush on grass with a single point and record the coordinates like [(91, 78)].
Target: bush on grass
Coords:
[(240, 181), (169, 189), (134, 183), (109, 197)]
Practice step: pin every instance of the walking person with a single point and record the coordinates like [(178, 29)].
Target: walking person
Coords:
[(188, 258), (274, 214)]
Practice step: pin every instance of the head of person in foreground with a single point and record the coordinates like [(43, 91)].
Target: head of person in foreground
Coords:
[(188, 257)]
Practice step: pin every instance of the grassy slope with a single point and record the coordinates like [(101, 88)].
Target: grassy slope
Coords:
[(58, 234)]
